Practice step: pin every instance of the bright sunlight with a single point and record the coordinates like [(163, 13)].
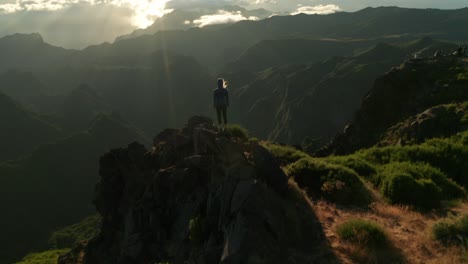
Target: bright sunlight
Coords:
[(146, 11)]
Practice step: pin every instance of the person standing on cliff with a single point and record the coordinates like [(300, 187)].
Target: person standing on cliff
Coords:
[(221, 102)]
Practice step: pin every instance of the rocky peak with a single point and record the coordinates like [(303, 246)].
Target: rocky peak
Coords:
[(412, 88), (198, 197)]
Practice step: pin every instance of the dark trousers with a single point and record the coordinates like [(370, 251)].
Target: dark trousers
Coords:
[(222, 110)]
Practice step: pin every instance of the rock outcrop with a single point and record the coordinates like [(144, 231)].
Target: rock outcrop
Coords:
[(199, 197), (438, 121), (412, 88)]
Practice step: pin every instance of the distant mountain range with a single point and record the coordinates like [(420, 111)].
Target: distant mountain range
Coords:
[(215, 46), (183, 19)]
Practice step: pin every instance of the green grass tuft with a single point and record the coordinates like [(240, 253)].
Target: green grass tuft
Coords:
[(452, 231), (363, 233)]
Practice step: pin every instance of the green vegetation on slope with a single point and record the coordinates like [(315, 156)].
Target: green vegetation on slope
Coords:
[(62, 240), (447, 154), (416, 184), (285, 154), (334, 182), (421, 175), (47, 257), (68, 236)]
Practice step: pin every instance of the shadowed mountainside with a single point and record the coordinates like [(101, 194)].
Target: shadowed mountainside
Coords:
[(408, 90), (53, 185), (316, 101), (22, 130)]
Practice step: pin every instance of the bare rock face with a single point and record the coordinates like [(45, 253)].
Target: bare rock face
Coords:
[(198, 198)]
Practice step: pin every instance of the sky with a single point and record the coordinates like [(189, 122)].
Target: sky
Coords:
[(79, 23)]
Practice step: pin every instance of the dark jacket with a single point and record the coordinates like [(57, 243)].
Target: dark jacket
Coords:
[(220, 97)]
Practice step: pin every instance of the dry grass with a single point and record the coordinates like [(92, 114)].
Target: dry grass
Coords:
[(408, 231)]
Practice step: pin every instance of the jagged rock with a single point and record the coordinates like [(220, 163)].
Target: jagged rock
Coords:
[(214, 206)]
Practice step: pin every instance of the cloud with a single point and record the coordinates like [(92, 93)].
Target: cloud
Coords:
[(318, 9), (76, 26), (144, 11), (222, 17), (78, 23)]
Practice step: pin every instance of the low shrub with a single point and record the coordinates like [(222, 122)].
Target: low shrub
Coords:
[(363, 233), (418, 185), (331, 181), (451, 231), (404, 189)]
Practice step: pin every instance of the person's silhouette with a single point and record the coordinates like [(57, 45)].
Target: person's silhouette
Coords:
[(221, 102)]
